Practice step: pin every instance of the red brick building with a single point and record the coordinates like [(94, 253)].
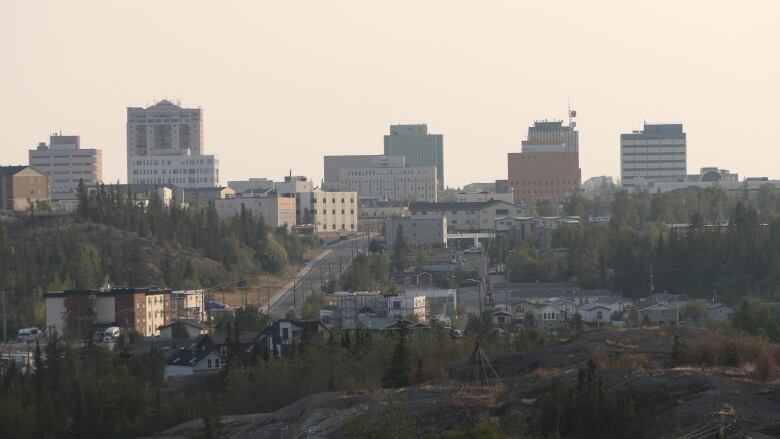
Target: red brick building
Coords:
[(544, 170)]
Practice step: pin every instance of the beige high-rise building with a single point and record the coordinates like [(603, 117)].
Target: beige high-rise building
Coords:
[(66, 164), (165, 146)]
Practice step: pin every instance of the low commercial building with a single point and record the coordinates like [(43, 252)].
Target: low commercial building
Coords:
[(466, 217), (277, 210), (66, 164), (371, 216), (79, 313), (22, 187), (202, 195), (471, 197), (251, 185), (539, 230), (428, 232), (348, 307)]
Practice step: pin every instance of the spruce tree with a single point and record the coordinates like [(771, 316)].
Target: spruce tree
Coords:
[(398, 373), (400, 254)]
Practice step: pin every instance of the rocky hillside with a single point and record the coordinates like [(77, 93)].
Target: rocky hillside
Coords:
[(668, 402)]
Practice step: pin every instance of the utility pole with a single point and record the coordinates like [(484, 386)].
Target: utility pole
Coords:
[(5, 321)]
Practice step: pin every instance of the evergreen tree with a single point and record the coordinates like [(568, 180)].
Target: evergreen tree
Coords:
[(397, 374), (400, 253)]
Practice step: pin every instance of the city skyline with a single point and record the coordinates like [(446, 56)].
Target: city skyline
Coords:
[(281, 97)]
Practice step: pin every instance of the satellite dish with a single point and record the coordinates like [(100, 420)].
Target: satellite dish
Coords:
[(573, 113)]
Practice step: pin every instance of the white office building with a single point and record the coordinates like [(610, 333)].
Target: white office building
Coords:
[(66, 164), (391, 183), (657, 153), (165, 146), (186, 171)]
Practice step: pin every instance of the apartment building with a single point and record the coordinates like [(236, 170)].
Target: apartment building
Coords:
[(330, 211), (66, 163), (429, 232), (466, 217), (78, 314)]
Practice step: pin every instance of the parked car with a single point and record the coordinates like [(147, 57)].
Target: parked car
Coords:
[(473, 251), (27, 335)]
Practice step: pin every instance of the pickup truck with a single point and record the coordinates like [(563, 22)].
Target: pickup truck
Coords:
[(28, 335)]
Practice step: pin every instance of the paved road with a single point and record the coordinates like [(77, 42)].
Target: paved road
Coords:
[(328, 265)]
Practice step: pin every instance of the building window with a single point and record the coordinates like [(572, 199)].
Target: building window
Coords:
[(208, 363)]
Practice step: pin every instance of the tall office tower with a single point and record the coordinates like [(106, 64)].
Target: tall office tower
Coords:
[(654, 154), (421, 149), (549, 165), (66, 163), (165, 146)]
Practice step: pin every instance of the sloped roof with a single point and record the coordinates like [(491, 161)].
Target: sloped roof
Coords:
[(200, 348)]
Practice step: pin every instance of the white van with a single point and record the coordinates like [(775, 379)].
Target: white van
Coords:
[(111, 334), (27, 335)]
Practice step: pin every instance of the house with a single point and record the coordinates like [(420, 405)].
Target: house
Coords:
[(201, 356), (502, 319), (595, 314), (566, 307), (522, 310), (387, 325), (659, 313), (720, 311), (278, 338), (193, 328), (548, 317)]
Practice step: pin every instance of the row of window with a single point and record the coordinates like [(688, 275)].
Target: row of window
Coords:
[(174, 171), (543, 182), (147, 162), (325, 211), (333, 200)]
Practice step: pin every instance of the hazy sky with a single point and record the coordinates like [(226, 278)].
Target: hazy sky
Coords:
[(283, 83)]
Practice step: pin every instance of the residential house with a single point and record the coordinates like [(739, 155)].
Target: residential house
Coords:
[(549, 317), (719, 311), (659, 313), (201, 356), (595, 314), (193, 328), (502, 319)]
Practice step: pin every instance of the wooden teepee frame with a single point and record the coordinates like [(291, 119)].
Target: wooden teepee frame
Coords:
[(478, 377)]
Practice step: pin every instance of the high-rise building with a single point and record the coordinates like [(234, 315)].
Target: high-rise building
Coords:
[(657, 153), (549, 165), (66, 164), (421, 149), (165, 146)]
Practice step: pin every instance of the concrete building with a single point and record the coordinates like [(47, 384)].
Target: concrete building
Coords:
[(466, 217), (66, 164), (79, 313), (21, 187), (391, 183), (165, 145), (706, 178), (299, 187), (277, 210), (251, 185), (348, 308), (556, 132), (335, 163), (657, 153), (371, 216), (202, 195), (427, 232), (330, 211), (538, 230), (198, 171), (422, 150)]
